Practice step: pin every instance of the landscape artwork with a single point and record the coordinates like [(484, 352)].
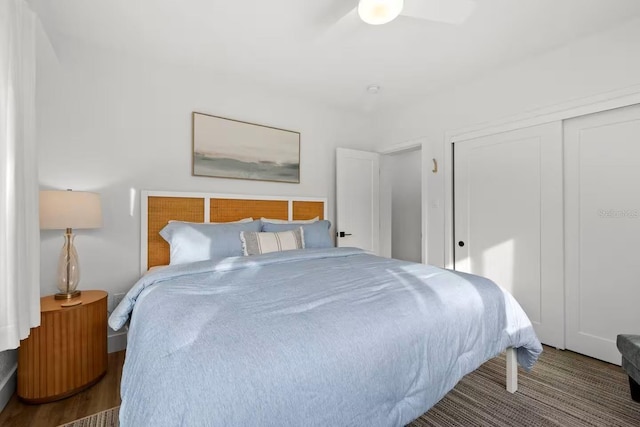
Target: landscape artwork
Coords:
[(228, 148)]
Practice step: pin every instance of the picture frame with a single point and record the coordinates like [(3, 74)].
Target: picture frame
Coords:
[(228, 148)]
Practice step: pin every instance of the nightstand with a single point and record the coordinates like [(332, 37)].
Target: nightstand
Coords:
[(68, 351)]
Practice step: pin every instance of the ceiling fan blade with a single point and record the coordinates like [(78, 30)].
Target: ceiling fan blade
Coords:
[(343, 27), (447, 11)]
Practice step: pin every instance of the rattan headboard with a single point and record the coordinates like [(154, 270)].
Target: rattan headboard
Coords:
[(158, 207)]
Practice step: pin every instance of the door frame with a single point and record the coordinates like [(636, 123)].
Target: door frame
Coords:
[(593, 104), (421, 144)]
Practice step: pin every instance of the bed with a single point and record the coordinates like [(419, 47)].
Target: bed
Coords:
[(309, 336)]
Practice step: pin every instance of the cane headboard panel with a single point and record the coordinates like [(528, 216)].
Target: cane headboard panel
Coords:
[(158, 208)]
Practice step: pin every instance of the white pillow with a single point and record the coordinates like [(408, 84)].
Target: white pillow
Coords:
[(284, 221), (256, 243), (240, 221)]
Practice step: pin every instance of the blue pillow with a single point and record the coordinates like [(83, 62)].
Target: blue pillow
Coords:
[(191, 242), (316, 234)]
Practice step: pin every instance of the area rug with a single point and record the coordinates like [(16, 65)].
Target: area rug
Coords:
[(564, 389), (108, 418)]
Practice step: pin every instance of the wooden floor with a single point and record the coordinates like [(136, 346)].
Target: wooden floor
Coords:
[(104, 395)]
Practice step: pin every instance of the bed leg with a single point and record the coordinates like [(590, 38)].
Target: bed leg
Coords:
[(512, 370)]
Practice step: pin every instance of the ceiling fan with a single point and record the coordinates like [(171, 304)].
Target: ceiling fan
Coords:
[(348, 17), (378, 12)]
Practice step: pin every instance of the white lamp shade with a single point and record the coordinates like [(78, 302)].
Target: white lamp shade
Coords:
[(69, 209), (377, 12)]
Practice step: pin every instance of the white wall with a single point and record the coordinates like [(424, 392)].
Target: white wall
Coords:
[(598, 64), (117, 125), (113, 124)]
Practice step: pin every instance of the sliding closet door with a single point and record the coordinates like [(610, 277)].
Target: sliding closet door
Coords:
[(602, 223), (508, 219)]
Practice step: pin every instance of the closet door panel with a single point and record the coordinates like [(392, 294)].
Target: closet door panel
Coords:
[(508, 219), (602, 220)]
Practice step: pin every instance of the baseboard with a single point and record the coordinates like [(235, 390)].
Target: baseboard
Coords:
[(117, 340), (8, 387)]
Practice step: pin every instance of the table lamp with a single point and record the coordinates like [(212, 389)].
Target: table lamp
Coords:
[(66, 210)]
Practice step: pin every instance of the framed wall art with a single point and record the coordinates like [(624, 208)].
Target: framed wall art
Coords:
[(227, 148)]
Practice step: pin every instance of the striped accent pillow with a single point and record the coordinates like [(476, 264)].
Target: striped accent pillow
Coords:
[(255, 243)]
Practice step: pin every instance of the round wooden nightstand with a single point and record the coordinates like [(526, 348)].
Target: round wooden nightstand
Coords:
[(67, 352)]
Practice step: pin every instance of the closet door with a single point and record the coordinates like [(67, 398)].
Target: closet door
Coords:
[(508, 219), (602, 223)]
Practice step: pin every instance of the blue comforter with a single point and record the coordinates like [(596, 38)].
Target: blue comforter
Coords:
[(311, 337)]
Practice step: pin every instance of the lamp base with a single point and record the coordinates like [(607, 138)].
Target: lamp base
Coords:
[(65, 295)]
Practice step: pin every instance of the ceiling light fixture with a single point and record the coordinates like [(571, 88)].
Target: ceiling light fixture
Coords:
[(378, 12)]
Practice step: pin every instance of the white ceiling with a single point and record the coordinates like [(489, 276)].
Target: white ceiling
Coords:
[(294, 45)]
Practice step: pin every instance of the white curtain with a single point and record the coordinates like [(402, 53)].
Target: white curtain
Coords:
[(19, 223)]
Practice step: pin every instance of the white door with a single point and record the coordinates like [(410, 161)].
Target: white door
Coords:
[(357, 181), (602, 224), (508, 219)]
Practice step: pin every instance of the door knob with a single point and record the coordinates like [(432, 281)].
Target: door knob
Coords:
[(343, 234), (461, 243)]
